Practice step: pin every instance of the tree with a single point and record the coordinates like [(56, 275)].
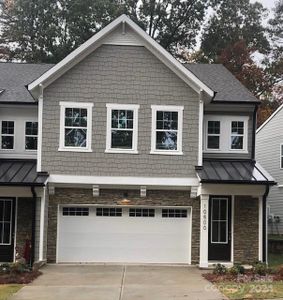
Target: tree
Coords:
[(233, 21), (48, 30)]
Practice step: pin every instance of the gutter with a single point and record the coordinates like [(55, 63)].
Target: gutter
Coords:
[(264, 227), (254, 131), (34, 196)]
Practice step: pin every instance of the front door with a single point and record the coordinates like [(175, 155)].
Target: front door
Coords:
[(7, 226), (219, 234)]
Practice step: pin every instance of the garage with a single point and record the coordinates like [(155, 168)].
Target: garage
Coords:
[(123, 234)]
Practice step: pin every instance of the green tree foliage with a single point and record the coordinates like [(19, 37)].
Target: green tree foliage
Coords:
[(48, 30)]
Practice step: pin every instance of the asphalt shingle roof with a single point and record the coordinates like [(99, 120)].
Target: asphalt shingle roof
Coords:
[(15, 76), (223, 82), (13, 80)]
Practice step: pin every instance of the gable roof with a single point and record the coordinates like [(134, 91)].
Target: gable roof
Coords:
[(95, 41), (223, 82), (14, 77), (270, 118)]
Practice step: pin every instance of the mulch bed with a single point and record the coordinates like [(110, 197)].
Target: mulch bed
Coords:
[(19, 278)]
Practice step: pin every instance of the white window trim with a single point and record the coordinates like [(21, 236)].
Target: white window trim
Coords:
[(225, 133), (63, 106), (281, 156), (30, 135), (14, 135), (113, 106), (171, 108)]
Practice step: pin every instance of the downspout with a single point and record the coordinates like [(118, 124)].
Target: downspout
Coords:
[(34, 196), (254, 131), (264, 226)]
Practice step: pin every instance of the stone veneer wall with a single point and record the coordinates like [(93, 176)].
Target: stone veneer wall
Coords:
[(111, 197), (246, 231)]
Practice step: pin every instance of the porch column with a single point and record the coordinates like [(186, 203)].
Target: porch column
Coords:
[(204, 207), (42, 223)]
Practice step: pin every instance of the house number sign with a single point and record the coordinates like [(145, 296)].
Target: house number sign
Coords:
[(204, 217)]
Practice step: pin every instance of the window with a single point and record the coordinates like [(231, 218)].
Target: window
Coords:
[(6, 209), (75, 126), (108, 212), (281, 156), (31, 132), (174, 213), (219, 220), (167, 122), (141, 212), (213, 134), (237, 135), (7, 135), (75, 211), (226, 134), (122, 128)]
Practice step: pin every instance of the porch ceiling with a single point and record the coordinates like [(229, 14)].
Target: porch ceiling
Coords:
[(20, 172), (233, 171)]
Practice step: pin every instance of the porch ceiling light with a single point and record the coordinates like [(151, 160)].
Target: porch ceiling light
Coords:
[(125, 199)]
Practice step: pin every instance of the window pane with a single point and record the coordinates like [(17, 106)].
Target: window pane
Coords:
[(282, 156), (166, 140), (237, 142), (215, 209), (237, 127), (223, 232), (213, 142), (75, 137), (122, 139), (76, 117), (223, 209), (7, 142), (122, 119), (7, 127), (6, 236), (213, 127), (31, 128), (167, 120), (214, 231), (7, 211), (31, 143)]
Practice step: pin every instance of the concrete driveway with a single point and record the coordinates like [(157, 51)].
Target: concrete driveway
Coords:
[(116, 282)]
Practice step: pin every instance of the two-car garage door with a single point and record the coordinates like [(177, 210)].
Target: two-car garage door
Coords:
[(123, 234)]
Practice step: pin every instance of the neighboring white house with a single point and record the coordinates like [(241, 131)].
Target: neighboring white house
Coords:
[(269, 153)]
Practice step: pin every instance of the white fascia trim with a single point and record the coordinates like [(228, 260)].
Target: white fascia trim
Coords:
[(123, 180), (270, 118), (95, 41), (200, 130)]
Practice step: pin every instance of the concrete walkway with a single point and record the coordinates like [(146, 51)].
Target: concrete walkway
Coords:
[(115, 282)]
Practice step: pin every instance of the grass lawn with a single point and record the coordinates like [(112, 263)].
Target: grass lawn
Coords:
[(7, 290), (255, 290)]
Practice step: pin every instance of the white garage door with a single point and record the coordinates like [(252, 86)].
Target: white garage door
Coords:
[(121, 234)]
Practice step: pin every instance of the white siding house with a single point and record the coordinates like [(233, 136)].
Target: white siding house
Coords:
[(269, 153)]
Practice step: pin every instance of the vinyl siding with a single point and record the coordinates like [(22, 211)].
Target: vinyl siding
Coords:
[(268, 141), (124, 75)]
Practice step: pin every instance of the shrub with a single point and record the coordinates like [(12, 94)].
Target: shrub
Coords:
[(261, 269), (219, 269), (237, 269), (19, 267), (5, 268)]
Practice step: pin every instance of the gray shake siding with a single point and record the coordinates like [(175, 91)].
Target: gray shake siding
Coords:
[(124, 75), (268, 141)]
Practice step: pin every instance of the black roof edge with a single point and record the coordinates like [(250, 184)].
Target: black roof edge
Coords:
[(28, 184), (19, 103), (255, 102), (239, 182), (230, 159)]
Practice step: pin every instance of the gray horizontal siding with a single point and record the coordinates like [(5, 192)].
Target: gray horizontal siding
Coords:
[(125, 75)]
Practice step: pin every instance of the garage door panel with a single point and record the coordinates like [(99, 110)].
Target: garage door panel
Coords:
[(123, 239)]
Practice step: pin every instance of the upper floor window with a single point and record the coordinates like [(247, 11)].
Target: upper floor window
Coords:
[(167, 122), (225, 133), (75, 126), (7, 135), (122, 128), (281, 156), (31, 131)]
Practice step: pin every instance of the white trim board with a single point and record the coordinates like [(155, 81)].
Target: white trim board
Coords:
[(123, 180), (90, 45), (270, 118)]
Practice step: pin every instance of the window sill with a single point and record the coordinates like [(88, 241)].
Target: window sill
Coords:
[(73, 150), (120, 151), (166, 153), (227, 152)]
